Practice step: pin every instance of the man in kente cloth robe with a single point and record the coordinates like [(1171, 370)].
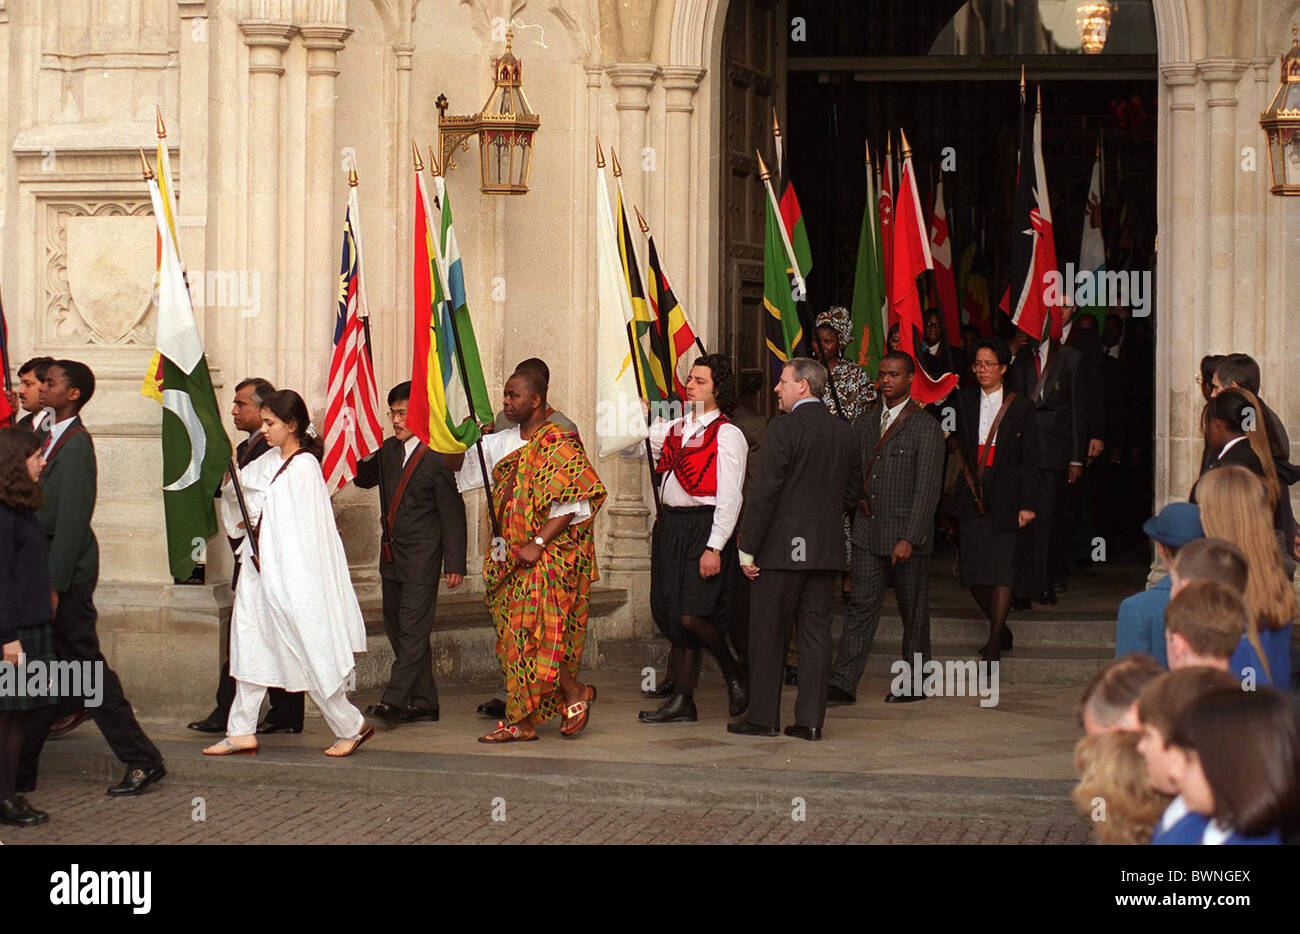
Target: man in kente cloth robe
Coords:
[(539, 575)]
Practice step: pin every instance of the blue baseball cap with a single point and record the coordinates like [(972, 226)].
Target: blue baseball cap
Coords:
[(1176, 525)]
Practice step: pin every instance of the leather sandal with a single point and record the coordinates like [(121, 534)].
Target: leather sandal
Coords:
[(226, 748), (366, 733), (578, 709), (507, 733)]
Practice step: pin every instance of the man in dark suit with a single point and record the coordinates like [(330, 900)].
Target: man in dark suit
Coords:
[(286, 707), (27, 395), (893, 527), (792, 547), (1080, 332), (1050, 376), (68, 487), (422, 526), (1240, 371)]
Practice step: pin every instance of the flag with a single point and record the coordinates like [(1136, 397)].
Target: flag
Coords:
[(869, 310), (783, 330), (911, 259), (1092, 243), (196, 451), (650, 346), (6, 410), (352, 426), (941, 253), (1033, 246), (679, 337), (975, 304), (618, 400), (426, 412), (467, 411), (886, 211)]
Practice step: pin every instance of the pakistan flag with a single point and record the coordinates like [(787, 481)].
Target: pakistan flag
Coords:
[(196, 451)]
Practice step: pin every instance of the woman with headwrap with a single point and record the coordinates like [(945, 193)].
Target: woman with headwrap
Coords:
[(854, 390)]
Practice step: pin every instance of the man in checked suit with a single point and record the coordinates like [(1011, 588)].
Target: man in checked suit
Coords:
[(893, 527), (421, 536), (791, 543)]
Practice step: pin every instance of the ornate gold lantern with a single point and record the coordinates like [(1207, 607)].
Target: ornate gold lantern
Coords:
[(1281, 123), (1093, 19), (505, 128)]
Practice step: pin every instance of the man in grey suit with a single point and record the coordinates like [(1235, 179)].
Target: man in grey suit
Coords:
[(893, 528), (791, 543)]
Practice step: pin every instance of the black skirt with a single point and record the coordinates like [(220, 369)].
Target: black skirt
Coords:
[(988, 557), (676, 588), (38, 652)]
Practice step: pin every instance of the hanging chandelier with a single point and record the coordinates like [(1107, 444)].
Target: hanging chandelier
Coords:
[(1093, 19)]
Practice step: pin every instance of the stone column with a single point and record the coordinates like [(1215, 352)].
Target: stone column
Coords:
[(399, 337), (1226, 329), (266, 42), (323, 216), (678, 247), (629, 537)]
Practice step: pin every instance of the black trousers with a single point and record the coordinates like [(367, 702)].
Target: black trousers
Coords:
[(286, 706), (1034, 543), (780, 599), (75, 639), (408, 622), (738, 623), (871, 574)]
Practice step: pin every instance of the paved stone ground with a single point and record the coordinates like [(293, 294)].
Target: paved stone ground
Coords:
[(82, 814)]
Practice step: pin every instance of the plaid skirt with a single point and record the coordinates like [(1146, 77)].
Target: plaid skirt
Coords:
[(38, 646)]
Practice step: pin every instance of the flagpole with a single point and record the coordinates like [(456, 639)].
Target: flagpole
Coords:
[(4, 358), (766, 177), (464, 375), (630, 327)]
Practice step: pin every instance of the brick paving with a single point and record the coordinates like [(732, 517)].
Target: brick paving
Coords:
[(82, 814)]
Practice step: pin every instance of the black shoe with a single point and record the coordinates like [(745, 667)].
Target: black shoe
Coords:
[(903, 698), (386, 715), (810, 733), (667, 689), (416, 714), (16, 812), (1007, 638), (836, 695), (679, 707), (66, 724), (792, 675), (137, 780), (210, 724), (1048, 597), (494, 709), (745, 728), (1021, 603), (737, 695), (266, 727)]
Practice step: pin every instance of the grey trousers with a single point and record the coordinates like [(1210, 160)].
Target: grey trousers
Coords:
[(871, 574)]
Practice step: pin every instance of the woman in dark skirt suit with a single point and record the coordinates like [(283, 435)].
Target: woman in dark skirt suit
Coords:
[(25, 609), (998, 492)]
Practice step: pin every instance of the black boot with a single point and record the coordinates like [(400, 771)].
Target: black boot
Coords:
[(16, 812), (666, 689), (678, 707), (737, 694), (1008, 638)]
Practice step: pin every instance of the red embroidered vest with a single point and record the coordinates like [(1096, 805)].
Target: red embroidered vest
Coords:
[(695, 465)]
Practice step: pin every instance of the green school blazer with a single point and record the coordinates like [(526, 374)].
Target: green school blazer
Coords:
[(68, 483)]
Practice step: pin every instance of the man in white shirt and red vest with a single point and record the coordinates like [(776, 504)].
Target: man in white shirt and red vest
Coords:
[(700, 468)]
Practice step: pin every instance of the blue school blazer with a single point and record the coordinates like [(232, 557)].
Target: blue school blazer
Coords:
[(1188, 831), (1277, 649)]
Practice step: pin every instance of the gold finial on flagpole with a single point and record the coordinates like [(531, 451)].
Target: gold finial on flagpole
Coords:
[(763, 173), (905, 151), (600, 155), (776, 125), (645, 228), (352, 176), (889, 144), (144, 167), (162, 127), (867, 145), (613, 157), (415, 156), (1022, 79), (434, 167)]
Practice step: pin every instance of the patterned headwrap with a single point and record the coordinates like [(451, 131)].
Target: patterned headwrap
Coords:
[(837, 319)]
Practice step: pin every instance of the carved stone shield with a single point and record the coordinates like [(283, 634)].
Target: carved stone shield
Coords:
[(111, 263)]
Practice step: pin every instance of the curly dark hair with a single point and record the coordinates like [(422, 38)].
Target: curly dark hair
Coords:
[(724, 380), (17, 488)]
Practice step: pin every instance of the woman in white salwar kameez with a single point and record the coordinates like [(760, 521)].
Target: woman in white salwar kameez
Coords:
[(296, 622)]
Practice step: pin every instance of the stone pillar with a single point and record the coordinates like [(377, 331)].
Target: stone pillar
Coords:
[(323, 216), (266, 42), (400, 337), (1226, 329), (629, 536), (678, 248)]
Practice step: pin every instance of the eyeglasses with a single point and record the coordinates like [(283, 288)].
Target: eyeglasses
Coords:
[(984, 365)]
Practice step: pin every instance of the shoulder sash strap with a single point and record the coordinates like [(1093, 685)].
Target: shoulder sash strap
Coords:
[(407, 472), (976, 482), (907, 410), (63, 439)]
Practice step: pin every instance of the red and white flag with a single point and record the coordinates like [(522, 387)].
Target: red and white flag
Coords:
[(352, 426), (911, 257), (886, 206), (1033, 243), (941, 252)]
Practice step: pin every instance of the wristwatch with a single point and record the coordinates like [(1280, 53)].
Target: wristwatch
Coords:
[(539, 542), (716, 551)]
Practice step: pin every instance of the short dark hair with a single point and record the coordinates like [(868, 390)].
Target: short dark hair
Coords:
[(1208, 365), (995, 344), (932, 312), (1215, 559), (1250, 753), (261, 387), (534, 379), (1238, 368), (38, 365), (1115, 688), (400, 393), (1230, 407), (535, 365), (1163, 701), (79, 376), (906, 359), (724, 380)]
